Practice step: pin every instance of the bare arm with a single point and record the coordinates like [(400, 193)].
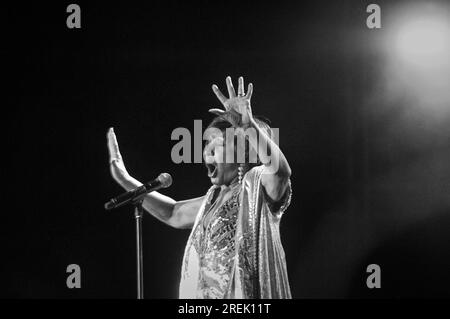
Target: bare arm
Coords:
[(178, 214), (276, 173)]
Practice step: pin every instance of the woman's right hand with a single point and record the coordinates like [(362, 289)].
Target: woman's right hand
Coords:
[(180, 214), (116, 165)]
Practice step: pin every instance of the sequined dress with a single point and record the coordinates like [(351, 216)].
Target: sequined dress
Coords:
[(234, 249)]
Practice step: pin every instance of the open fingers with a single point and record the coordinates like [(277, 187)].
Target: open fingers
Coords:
[(241, 86), (113, 146), (216, 111), (249, 91), (231, 91), (219, 94)]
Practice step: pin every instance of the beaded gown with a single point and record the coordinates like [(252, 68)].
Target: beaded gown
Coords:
[(234, 249)]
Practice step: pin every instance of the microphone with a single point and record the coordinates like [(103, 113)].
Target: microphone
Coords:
[(164, 180)]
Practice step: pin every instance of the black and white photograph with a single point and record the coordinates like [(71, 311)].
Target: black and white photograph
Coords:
[(252, 151)]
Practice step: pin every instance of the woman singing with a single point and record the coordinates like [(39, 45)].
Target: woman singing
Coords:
[(234, 249)]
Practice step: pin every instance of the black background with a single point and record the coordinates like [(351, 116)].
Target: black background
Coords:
[(362, 192)]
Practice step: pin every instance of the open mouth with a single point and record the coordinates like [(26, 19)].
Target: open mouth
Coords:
[(212, 170)]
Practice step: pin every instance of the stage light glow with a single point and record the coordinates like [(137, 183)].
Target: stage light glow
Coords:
[(424, 41), (417, 65)]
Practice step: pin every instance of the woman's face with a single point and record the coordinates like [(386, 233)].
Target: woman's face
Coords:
[(215, 157)]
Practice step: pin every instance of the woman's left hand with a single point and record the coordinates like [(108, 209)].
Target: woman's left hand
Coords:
[(237, 107)]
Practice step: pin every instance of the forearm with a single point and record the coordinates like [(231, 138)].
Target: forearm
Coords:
[(276, 162), (157, 204)]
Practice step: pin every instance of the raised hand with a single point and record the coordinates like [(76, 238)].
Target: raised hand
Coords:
[(238, 109), (116, 165)]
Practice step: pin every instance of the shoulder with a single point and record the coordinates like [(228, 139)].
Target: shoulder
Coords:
[(253, 181), (254, 173)]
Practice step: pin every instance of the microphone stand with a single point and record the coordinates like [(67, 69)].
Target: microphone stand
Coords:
[(138, 215), (135, 197)]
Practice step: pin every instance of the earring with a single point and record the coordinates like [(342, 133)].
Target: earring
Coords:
[(240, 172)]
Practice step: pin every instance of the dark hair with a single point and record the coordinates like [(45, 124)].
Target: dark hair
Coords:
[(222, 124)]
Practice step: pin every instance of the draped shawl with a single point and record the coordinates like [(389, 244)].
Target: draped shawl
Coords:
[(259, 262)]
